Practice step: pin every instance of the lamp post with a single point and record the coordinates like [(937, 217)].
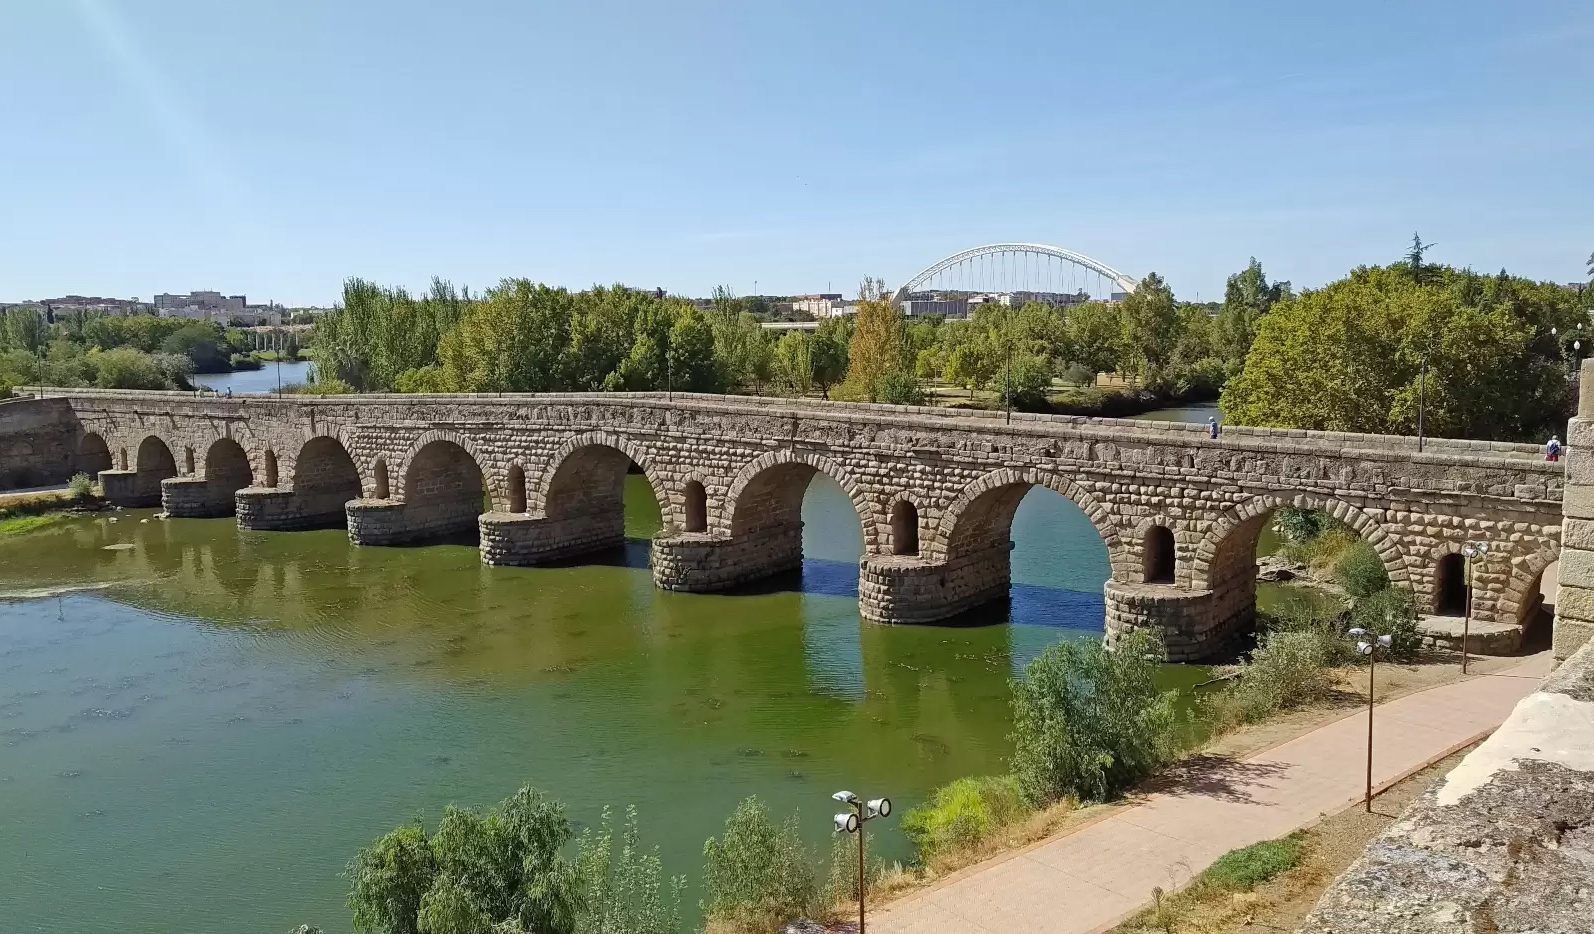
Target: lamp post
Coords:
[(1368, 644), (852, 822), (1469, 551), (1422, 396)]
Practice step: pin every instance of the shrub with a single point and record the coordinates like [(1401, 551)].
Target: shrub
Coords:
[(1248, 867), (1288, 669), (963, 814), (81, 486), (5, 387), (1077, 374), (504, 867), (842, 886), (624, 892), (1025, 383), (1392, 610), (1088, 721), (1299, 526), (900, 388), (1360, 571), (757, 875)]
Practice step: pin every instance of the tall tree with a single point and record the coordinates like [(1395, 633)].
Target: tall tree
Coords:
[(879, 342), (1151, 330), (1095, 337), (1247, 296)]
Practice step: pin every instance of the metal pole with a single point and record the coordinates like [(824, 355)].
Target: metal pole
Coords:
[(859, 809), (1466, 619), (1422, 398), (1372, 667)]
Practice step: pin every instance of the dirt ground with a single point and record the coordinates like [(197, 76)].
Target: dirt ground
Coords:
[(1281, 903)]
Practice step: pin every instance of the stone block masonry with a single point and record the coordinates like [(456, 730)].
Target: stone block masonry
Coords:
[(540, 478), (38, 443)]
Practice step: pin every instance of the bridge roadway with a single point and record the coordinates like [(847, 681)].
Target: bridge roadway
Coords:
[(935, 490)]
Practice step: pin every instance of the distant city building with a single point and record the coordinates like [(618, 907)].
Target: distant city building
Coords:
[(89, 303), (829, 305), (945, 307), (206, 306)]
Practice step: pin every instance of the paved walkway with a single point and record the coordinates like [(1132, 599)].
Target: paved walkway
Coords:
[(1089, 880)]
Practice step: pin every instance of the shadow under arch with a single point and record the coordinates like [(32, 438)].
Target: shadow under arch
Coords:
[(93, 455), (444, 490), (585, 477), (154, 462), (324, 479)]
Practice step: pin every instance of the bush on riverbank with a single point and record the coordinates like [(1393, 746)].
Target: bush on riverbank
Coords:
[(758, 874), (961, 815), (505, 872), (1391, 611), (1360, 570), (1089, 721)]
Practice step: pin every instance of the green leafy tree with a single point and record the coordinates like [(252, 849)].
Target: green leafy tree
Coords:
[(513, 340), (1095, 337), (832, 345), (1246, 298), (504, 867), (879, 346), (1089, 721), (970, 365), (204, 344), (794, 362), (694, 366), (1348, 357), (1025, 382), (1151, 330)]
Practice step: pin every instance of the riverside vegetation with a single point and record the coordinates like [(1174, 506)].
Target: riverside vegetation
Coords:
[(1089, 723)]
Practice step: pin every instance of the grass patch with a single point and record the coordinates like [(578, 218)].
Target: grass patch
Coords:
[(18, 525), (1250, 866)]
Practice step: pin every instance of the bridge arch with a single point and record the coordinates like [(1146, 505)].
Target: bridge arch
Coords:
[(586, 476), (445, 488), (93, 454), (227, 468), (1080, 260), (768, 493), (1521, 598), (1228, 550), (982, 516)]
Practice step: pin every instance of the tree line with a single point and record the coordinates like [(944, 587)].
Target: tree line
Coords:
[(81, 348)]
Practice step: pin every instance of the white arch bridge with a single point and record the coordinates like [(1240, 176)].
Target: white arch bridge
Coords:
[(1014, 267)]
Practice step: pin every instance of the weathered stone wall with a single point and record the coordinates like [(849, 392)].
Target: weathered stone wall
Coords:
[(701, 563), (515, 538), (1574, 608), (1192, 625), (1503, 844), (964, 472), (38, 443)]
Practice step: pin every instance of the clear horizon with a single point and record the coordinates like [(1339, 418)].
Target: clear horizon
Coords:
[(175, 145)]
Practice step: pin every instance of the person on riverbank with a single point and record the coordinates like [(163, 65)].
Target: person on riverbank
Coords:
[(1552, 449)]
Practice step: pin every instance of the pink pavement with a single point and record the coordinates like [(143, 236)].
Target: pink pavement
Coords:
[(1088, 880)]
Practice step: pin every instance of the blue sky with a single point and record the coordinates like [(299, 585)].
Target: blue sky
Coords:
[(277, 148)]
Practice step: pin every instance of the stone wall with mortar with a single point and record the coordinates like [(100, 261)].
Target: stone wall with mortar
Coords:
[(963, 471), (1504, 843), (38, 442), (1574, 607)]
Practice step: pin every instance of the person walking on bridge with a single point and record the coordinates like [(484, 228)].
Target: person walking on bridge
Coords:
[(1552, 449), (1212, 427)]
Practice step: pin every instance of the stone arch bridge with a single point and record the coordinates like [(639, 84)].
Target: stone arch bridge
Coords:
[(540, 478)]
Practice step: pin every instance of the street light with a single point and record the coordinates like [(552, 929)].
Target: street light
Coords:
[(1469, 551), (1368, 644), (852, 822)]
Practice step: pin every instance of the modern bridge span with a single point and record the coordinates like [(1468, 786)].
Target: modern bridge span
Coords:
[(935, 490)]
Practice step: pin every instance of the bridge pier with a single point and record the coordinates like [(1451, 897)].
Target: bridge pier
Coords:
[(195, 498), (131, 489), (911, 589), (1193, 624), (515, 538), (268, 509), (397, 522), (698, 562)]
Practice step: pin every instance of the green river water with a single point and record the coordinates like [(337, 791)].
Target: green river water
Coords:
[(198, 727)]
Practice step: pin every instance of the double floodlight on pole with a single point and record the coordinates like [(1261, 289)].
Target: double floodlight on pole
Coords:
[(1470, 551), (852, 821), (1370, 644)]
